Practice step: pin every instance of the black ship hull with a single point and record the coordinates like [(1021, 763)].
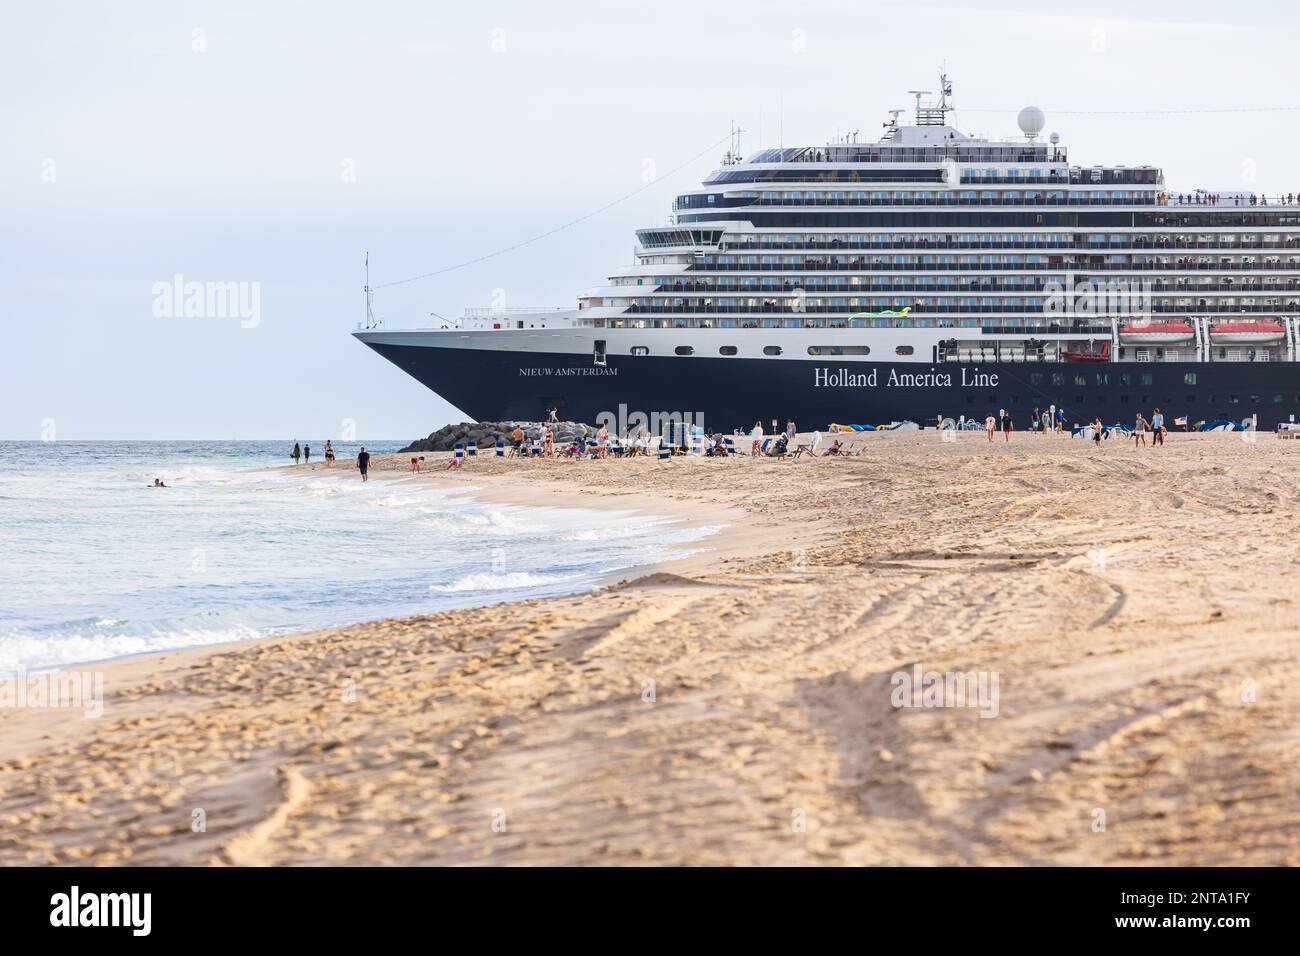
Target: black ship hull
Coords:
[(727, 393)]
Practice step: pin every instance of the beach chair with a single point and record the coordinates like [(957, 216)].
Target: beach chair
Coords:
[(501, 448), (459, 450), (472, 450), (537, 451)]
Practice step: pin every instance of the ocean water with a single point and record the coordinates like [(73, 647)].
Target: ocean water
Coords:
[(96, 564)]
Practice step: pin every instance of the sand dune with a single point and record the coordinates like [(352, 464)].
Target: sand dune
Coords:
[(1138, 608)]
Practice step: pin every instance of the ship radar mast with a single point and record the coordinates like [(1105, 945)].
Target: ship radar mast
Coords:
[(370, 294), (934, 113)]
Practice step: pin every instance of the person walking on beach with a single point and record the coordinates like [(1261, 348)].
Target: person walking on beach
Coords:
[(296, 453), (1006, 425), (1096, 432), (1139, 431), (990, 426), (306, 454), (517, 436), (1157, 428), (363, 463), (329, 453), (756, 439)]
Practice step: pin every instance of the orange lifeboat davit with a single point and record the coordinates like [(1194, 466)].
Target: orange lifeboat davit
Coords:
[(1251, 332), (1155, 333)]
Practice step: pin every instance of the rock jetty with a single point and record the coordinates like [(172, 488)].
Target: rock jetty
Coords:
[(485, 434)]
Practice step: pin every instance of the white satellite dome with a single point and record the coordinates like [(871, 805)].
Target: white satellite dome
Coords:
[(1054, 138), (1031, 120)]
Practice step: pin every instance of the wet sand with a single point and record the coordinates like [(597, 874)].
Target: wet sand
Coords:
[(1137, 607)]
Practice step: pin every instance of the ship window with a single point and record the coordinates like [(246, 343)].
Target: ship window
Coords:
[(684, 350), (1189, 378), (1123, 399), (598, 354), (1058, 378), (1035, 378), (1146, 378), (1080, 380), (839, 350), (771, 350), (1103, 378), (904, 350), (640, 350), (727, 350), (1125, 378)]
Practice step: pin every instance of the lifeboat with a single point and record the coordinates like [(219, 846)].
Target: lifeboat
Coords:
[(1260, 332), (1155, 333), (1090, 354)]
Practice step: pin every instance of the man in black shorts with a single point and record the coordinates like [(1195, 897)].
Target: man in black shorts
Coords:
[(1006, 425), (363, 462)]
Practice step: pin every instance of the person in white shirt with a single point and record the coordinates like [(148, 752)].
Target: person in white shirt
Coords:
[(812, 443), (990, 426), (756, 438)]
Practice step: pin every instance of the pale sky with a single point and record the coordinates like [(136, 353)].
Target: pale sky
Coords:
[(273, 143)]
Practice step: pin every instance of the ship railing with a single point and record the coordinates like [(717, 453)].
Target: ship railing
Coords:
[(859, 264)]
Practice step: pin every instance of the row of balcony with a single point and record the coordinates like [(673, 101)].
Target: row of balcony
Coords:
[(682, 288), (773, 306)]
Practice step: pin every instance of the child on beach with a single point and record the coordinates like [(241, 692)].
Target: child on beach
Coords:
[(1139, 431), (756, 439)]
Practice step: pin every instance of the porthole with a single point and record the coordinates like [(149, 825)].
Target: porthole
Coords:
[(771, 350), (904, 350), (839, 350), (684, 350), (727, 350)]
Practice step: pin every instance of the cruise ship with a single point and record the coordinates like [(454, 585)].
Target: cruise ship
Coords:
[(930, 277)]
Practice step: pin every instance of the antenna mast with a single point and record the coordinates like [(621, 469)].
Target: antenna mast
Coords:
[(370, 315)]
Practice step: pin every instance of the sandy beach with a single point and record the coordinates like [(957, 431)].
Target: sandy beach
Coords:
[(1133, 613)]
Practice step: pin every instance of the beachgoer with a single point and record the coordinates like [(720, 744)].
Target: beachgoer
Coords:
[(517, 436), (790, 430), (455, 462), (756, 439), (990, 426), (363, 463), (296, 453), (833, 450), (1139, 431), (329, 453), (415, 465), (159, 483), (306, 454), (551, 415), (1157, 428), (1096, 432), (1006, 425), (548, 439)]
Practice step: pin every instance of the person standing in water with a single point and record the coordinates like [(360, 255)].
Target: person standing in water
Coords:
[(306, 454), (329, 453), (296, 453), (363, 463)]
